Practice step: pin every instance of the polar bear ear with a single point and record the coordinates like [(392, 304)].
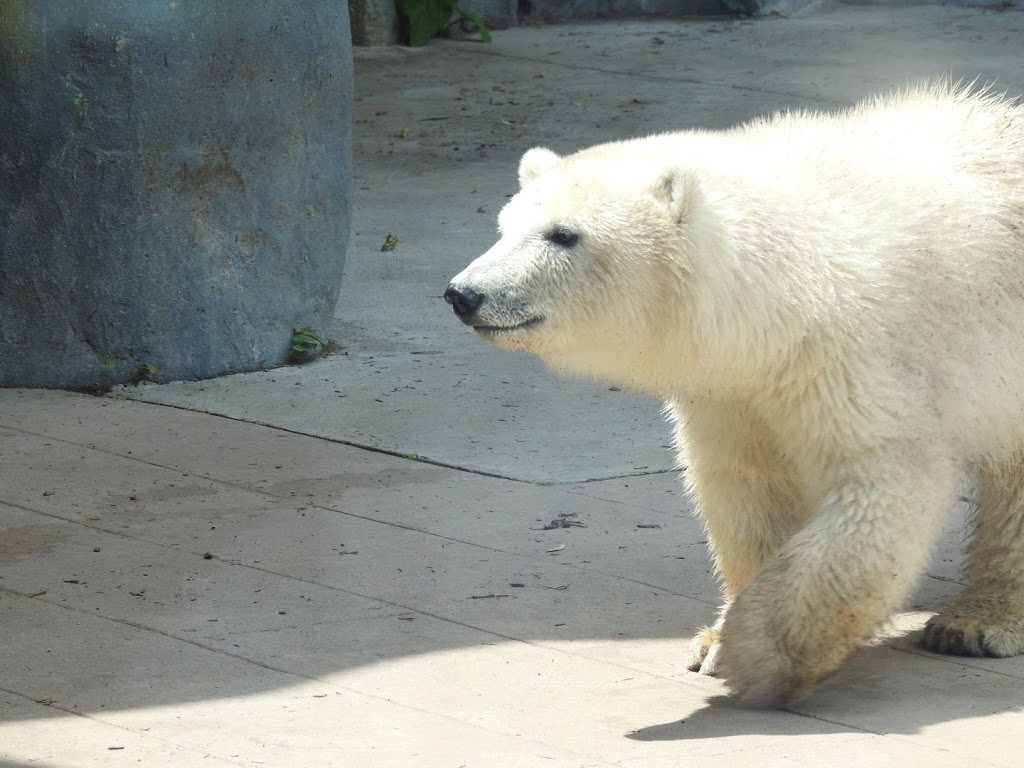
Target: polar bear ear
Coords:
[(534, 163), (677, 188)]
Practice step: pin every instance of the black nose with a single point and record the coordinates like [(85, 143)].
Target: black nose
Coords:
[(465, 303)]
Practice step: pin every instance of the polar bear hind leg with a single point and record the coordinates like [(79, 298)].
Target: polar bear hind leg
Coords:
[(988, 618)]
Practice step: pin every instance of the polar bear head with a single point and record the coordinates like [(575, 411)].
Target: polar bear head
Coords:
[(591, 266)]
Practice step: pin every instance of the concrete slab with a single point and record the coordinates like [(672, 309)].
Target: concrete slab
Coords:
[(361, 607), (34, 734), (400, 613)]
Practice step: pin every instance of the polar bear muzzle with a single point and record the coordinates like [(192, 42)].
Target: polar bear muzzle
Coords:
[(507, 320)]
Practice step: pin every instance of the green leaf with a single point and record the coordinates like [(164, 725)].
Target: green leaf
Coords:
[(426, 17), (306, 345)]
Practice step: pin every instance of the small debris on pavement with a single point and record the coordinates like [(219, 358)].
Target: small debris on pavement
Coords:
[(564, 520)]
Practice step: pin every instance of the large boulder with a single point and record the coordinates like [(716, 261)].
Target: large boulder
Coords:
[(175, 185)]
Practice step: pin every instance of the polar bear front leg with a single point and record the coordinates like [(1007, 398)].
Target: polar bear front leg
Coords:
[(829, 587), (741, 511), (745, 497), (988, 618)]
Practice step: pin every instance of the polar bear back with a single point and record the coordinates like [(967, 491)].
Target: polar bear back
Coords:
[(890, 235)]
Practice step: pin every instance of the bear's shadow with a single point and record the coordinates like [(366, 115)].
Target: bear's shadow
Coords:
[(895, 688)]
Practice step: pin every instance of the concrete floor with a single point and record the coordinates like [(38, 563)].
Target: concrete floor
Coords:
[(352, 563)]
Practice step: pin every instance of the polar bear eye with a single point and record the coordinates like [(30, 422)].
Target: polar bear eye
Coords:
[(563, 236)]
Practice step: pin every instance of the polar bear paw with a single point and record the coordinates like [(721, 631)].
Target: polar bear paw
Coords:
[(702, 655), (756, 680), (977, 627), (760, 675)]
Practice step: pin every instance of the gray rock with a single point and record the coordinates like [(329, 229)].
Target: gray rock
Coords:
[(175, 185)]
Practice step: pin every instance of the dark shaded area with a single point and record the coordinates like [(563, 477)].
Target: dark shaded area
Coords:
[(563, 10)]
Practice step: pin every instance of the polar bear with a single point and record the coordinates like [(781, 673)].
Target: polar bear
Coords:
[(832, 307)]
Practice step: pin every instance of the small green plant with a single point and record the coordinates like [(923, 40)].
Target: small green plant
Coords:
[(116, 370), (425, 18), (105, 381), (306, 345)]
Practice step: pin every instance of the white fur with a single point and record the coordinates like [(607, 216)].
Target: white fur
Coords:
[(832, 307)]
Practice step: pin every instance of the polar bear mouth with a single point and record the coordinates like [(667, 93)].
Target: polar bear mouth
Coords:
[(501, 330)]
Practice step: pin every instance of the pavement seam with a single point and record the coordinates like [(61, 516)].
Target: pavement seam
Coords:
[(404, 608), (553, 648), (380, 600), (960, 661), (420, 458), (399, 606), (330, 587), (908, 738), (109, 724), (300, 675), (323, 508), (366, 518), (390, 700)]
